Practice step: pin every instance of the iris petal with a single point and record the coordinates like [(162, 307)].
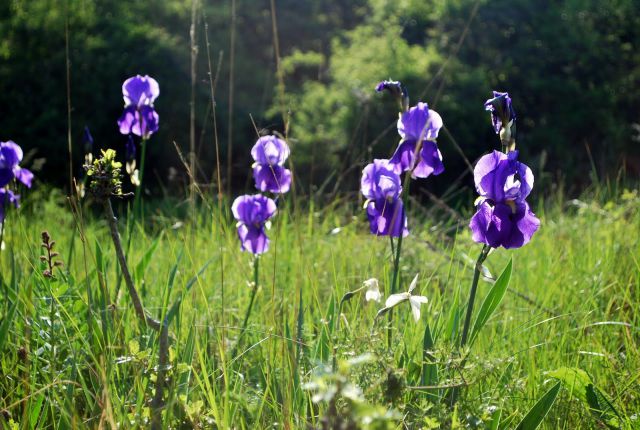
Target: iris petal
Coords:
[(274, 179)]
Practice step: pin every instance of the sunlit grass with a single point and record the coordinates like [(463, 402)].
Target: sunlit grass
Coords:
[(85, 360)]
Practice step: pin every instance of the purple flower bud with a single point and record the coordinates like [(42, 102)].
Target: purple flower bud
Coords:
[(252, 213), (270, 154), (501, 110), (139, 116), (10, 158), (396, 89), (87, 140)]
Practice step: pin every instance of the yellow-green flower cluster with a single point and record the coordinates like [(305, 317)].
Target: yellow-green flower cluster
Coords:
[(106, 179)]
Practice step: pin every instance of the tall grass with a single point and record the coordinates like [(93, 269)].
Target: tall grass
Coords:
[(74, 354)]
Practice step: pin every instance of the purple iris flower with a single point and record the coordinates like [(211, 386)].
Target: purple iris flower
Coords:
[(510, 224), (270, 154), (7, 198), (418, 123), (10, 158), (503, 216), (499, 177), (139, 116), (252, 213), (501, 110), (381, 185)]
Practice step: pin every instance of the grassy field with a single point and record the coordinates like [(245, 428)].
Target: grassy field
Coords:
[(74, 355)]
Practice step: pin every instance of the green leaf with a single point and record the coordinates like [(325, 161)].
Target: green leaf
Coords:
[(494, 424), (493, 299), (299, 334), (323, 347), (35, 409), (429, 366), (453, 321), (186, 359), (534, 417), (170, 282), (579, 384), (505, 423)]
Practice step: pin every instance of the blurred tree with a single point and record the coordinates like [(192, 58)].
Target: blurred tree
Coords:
[(572, 68), (111, 40)]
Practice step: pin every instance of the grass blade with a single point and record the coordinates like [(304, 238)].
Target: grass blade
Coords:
[(176, 305), (142, 265), (534, 417), (429, 367), (6, 323)]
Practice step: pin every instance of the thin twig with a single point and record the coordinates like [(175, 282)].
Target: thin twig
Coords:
[(192, 108), (232, 56), (435, 387), (68, 71), (115, 236)]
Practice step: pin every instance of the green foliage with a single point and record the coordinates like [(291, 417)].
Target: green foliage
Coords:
[(347, 406), (111, 40), (579, 384), (536, 414), (106, 176), (74, 353), (570, 67), (338, 115), (492, 301)]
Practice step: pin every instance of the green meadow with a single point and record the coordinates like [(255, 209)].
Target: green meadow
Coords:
[(161, 268), (74, 354)]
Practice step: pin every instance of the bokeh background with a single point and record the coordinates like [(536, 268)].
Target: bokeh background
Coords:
[(572, 68)]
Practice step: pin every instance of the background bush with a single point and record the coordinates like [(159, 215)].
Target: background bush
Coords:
[(572, 66)]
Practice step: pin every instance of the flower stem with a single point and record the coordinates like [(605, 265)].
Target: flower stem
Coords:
[(135, 298), (394, 285), (393, 248), (472, 293), (3, 222), (137, 207), (256, 271)]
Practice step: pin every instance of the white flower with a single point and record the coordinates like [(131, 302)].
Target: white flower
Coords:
[(373, 292), (414, 301), (135, 178)]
